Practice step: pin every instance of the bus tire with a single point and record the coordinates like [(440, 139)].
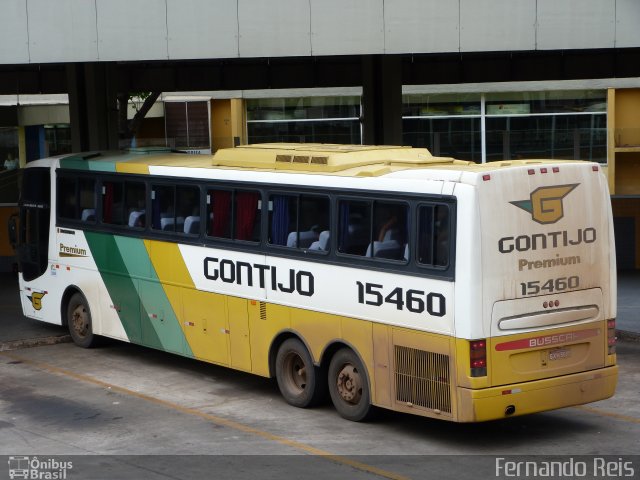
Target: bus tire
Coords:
[(348, 386), (79, 321), (298, 378)]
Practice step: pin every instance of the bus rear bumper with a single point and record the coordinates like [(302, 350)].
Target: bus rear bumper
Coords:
[(536, 396)]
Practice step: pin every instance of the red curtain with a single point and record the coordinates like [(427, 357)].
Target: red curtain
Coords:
[(246, 207), (221, 209)]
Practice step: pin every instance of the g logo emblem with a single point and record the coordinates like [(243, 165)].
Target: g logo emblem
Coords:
[(545, 203), (36, 299)]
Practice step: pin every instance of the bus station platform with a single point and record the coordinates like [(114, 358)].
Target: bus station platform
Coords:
[(17, 331)]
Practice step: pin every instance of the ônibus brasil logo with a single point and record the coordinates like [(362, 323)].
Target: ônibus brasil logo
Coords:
[(545, 203), (40, 469)]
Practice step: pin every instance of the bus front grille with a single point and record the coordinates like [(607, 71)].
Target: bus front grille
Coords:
[(422, 379)]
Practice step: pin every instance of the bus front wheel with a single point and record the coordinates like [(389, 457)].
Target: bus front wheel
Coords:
[(79, 321), (348, 386), (298, 379)]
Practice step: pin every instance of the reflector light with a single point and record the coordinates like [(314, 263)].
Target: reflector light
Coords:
[(595, 168), (531, 171), (486, 177), (545, 304), (543, 170), (557, 303), (556, 169)]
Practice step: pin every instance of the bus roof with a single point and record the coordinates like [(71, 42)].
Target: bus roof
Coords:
[(343, 160)]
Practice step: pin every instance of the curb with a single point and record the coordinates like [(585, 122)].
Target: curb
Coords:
[(33, 342)]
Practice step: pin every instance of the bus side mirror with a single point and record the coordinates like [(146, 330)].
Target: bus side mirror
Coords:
[(13, 230)]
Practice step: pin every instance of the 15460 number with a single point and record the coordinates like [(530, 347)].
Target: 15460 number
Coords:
[(553, 285), (416, 301)]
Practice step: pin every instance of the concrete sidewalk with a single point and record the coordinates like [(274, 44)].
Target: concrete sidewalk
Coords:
[(18, 331)]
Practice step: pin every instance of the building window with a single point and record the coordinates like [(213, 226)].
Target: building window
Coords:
[(8, 148), (307, 120), (549, 124), (187, 125), (446, 124), (512, 125), (58, 138)]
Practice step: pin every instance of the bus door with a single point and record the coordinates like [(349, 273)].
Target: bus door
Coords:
[(33, 232)]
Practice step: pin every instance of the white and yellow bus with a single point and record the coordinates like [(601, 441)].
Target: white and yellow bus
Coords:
[(382, 276)]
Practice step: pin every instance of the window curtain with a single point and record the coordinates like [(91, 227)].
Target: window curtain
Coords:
[(246, 207), (280, 220), (221, 209)]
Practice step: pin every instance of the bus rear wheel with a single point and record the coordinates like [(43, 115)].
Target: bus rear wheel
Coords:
[(298, 379), (348, 386), (79, 321)]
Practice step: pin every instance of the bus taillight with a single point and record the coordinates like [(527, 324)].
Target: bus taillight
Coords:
[(611, 336), (478, 358)]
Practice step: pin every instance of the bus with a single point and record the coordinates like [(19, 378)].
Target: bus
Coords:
[(376, 276)]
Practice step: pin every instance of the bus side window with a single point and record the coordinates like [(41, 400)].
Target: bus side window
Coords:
[(188, 210), (77, 199), (113, 203), (219, 213), (296, 221), (433, 235), (87, 199), (314, 222), (390, 231), (354, 227), (283, 220), (373, 228), (67, 198), (163, 208), (247, 219), (134, 204)]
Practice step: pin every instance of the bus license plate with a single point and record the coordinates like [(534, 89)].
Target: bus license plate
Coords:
[(559, 353)]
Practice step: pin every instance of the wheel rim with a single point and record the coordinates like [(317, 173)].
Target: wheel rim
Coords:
[(349, 384), (80, 321), (295, 373)]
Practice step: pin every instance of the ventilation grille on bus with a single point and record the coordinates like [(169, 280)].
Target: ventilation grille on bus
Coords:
[(422, 379), (263, 311), (303, 159)]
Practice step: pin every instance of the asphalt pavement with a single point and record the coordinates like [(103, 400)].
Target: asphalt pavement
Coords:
[(17, 331)]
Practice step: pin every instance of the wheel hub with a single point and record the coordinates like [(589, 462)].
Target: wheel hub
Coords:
[(79, 321), (297, 371), (350, 384)]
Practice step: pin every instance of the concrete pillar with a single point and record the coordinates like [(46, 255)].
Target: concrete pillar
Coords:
[(93, 107), (382, 100)]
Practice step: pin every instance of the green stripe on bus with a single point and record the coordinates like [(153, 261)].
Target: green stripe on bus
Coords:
[(156, 307), (143, 308), (79, 163)]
